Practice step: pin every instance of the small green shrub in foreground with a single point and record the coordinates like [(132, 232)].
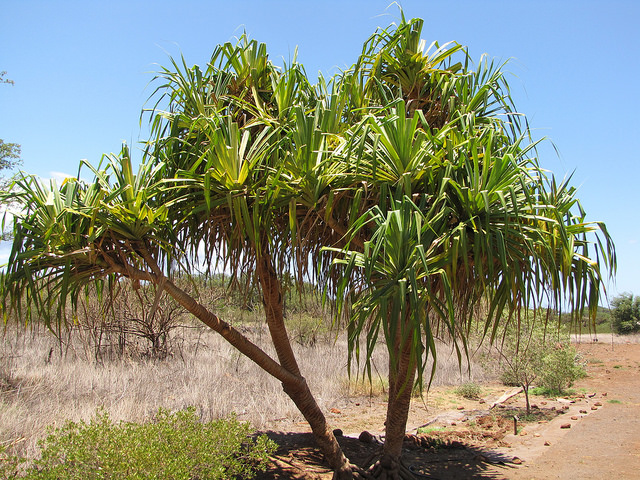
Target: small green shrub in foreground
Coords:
[(10, 465), (175, 446), (427, 430)]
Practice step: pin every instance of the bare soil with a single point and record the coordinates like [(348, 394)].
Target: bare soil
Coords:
[(591, 434)]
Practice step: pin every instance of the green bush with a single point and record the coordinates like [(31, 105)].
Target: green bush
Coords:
[(535, 354), (174, 446), (469, 390), (560, 366), (10, 465), (626, 314)]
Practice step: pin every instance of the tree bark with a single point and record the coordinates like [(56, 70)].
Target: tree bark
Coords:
[(401, 378), (399, 401), (298, 390)]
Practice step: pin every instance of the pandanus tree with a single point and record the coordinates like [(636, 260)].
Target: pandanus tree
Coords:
[(217, 185), (407, 185), (461, 215)]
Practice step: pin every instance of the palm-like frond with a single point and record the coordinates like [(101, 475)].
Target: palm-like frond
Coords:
[(504, 235), (66, 237)]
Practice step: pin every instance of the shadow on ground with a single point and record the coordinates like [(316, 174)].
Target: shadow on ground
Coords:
[(298, 458)]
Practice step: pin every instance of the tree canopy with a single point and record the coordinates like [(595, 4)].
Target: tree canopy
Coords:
[(626, 313), (407, 184)]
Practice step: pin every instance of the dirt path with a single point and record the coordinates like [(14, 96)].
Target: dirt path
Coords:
[(606, 443)]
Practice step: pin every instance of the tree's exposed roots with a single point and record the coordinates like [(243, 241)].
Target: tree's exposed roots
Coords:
[(351, 472), (386, 468), (389, 468)]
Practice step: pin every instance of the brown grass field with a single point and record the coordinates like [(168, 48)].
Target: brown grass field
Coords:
[(44, 383)]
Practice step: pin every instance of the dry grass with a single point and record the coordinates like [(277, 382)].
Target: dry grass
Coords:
[(42, 385)]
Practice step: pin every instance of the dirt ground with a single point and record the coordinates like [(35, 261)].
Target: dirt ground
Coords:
[(593, 434)]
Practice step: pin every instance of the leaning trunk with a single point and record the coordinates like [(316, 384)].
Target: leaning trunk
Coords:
[(286, 369), (297, 389)]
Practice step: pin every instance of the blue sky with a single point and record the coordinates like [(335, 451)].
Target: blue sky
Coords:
[(82, 69)]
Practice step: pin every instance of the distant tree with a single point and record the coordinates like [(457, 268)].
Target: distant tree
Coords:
[(9, 152), (626, 313), (9, 155)]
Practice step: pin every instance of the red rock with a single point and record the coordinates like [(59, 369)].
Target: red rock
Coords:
[(574, 417), (594, 408), (583, 411), (598, 404), (565, 425), (335, 410), (546, 444)]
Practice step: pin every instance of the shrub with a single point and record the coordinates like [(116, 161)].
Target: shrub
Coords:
[(175, 446), (469, 390), (10, 465), (530, 355), (520, 353), (626, 314), (560, 366)]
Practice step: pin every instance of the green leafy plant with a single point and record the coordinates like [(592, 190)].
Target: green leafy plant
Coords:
[(469, 390), (533, 354), (559, 366), (626, 313), (173, 446)]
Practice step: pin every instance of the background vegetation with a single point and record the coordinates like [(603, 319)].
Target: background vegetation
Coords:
[(626, 314)]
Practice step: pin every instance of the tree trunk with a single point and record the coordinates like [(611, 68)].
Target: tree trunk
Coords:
[(298, 390), (286, 371), (401, 377), (525, 389)]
